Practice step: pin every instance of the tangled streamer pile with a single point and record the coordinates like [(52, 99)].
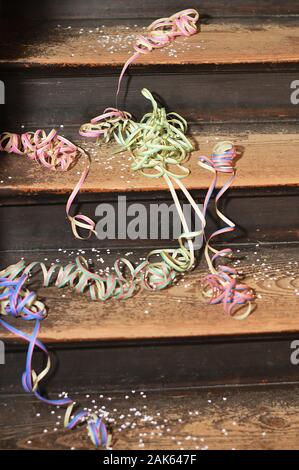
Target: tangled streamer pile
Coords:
[(157, 142), (52, 150), (158, 147)]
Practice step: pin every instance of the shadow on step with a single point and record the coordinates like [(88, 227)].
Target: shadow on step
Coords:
[(156, 364)]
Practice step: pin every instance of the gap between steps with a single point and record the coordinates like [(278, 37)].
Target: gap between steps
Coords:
[(217, 387), (233, 245)]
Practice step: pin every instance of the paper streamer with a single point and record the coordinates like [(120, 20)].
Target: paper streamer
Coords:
[(161, 33), (54, 152), (17, 301), (222, 285), (50, 150), (121, 284), (157, 142)]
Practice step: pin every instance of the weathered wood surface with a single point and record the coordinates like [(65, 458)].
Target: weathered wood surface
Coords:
[(266, 160), (97, 46), (241, 419), (176, 312)]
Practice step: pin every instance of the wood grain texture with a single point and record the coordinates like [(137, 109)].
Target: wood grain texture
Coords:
[(241, 419), (66, 45), (179, 311), (261, 165)]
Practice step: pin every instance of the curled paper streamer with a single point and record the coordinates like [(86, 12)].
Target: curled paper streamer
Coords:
[(17, 301), (78, 277), (51, 150), (80, 220), (55, 153), (222, 285), (96, 428), (160, 33), (156, 143), (103, 126)]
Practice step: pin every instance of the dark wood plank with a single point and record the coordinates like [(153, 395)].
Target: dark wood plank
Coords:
[(241, 419), (253, 226), (177, 312), (224, 94), (252, 212), (69, 9), (162, 363)]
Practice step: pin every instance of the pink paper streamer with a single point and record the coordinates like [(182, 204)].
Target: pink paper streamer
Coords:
[(222, 285), (160, 33)]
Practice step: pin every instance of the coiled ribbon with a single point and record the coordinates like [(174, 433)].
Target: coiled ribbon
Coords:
[(55, 153), (222, 285), (52, 151), (17, 301), (160, 33)]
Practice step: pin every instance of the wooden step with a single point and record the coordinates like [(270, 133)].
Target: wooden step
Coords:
[(61, 75), (167, 339), (261, 166), (273, 272), (240, 419), (94, 45)]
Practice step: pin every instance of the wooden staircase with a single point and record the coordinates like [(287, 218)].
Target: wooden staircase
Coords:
[(232, 80)]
